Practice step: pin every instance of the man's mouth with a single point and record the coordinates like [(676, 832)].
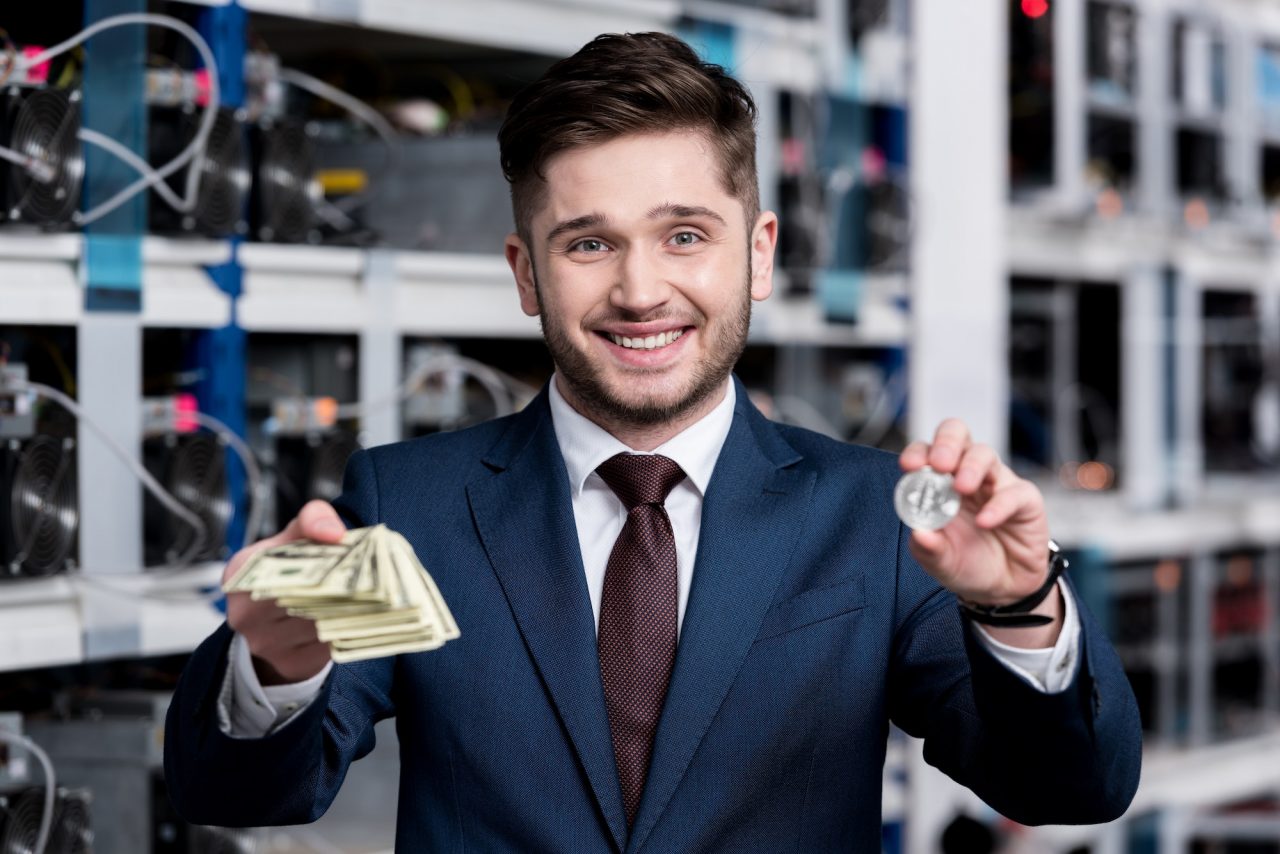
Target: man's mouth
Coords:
[(647, 342)]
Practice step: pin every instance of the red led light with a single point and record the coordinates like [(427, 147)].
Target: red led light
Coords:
[(1035, 8)]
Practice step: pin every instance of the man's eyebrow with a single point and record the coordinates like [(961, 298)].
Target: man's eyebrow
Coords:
[(674, 211), (591, 220)]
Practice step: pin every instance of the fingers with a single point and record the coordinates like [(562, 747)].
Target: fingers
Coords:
[(949, 444), (914, 456), (977, 465), (282, 635), (1021, 498), (317, 520), (932, 545)]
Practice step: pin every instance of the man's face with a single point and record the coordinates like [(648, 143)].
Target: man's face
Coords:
[(643, 269)]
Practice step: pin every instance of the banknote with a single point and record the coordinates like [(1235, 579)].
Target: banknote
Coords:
[(368, 595)]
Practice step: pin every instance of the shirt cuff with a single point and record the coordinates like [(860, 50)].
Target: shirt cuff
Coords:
[(247, 709), (1051, 669)]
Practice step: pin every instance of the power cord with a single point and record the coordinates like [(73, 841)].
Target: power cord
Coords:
[(150, 177), (50, 789)]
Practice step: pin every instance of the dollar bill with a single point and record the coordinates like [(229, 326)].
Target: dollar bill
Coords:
[(369, 595)]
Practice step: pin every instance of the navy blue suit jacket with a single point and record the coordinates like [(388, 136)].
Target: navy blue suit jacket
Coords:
[(809, 628)]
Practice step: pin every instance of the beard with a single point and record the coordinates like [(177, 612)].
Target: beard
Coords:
[(726, 339)]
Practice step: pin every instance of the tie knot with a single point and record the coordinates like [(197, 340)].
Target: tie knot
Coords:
[(640, 478)]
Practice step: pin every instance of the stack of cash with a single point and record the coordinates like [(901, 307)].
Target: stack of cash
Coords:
[(368, 595)]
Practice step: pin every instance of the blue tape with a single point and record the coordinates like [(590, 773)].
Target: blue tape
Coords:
[(114, 86), (112, 272), (713, 42), (840, 292)]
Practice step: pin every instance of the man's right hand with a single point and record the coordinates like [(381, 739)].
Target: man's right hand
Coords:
[(285, 649)]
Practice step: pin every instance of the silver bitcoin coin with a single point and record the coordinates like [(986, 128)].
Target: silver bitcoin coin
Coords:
[(926, 500)]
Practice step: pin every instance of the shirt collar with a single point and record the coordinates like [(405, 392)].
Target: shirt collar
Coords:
[(585, 444)]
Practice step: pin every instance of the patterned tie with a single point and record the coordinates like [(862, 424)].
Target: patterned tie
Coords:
[(637, 638)]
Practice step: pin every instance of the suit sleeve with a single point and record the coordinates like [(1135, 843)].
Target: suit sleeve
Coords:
[(293, 774), (1066, 758)]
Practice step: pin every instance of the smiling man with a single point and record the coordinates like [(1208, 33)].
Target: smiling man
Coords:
[(644, 279), (684, 627)]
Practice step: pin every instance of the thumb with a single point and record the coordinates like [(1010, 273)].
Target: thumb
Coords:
[(317, 520), (930, 548)]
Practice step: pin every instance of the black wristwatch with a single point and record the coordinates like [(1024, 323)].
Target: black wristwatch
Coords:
[(1018, 614)]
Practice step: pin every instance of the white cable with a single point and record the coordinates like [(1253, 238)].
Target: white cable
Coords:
[(152, 485), (498, 384), (39, 170), (132, 159), (881, 418), (17, 157), (802, 413), (253, 523), (193, 152), (46, 820), (333, 215), (128, 592), (360, 110)]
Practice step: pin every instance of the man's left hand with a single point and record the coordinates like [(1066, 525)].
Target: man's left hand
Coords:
[(996, 550)]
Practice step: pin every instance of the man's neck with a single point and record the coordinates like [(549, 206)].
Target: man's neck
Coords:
[(645, 437)]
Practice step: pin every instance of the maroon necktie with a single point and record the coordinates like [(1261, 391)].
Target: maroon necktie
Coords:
[(637, 638)]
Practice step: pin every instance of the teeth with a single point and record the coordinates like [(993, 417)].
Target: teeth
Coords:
[(649, 342)]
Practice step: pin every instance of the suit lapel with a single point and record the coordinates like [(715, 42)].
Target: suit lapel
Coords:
[(524, 516), (736, 572)]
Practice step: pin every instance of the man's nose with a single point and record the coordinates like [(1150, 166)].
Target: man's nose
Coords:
[(641, 285)]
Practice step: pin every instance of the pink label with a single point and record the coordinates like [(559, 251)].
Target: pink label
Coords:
[(184, 410), (36, 73), (202, 87)]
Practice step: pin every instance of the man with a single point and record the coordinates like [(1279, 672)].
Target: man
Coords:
[(695, 650)]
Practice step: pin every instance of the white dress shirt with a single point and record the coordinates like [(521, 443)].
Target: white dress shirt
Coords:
[(248, 710)]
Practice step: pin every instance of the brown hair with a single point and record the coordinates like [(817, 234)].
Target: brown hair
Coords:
[(621, 84)]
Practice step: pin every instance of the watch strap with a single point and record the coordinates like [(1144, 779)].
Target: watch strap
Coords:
[(1018, 614)]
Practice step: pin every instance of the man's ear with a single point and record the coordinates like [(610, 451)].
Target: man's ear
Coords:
[(522, 268), (764, 240)]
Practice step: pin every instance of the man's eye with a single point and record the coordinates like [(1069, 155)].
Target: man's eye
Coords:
[(686, 238), (588, 246)]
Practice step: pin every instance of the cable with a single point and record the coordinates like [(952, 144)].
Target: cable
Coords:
[(46, 820), (499, 385), (800, 412), (38, 170), (211, 595), (885, 410), (191, 154), (242, 450), (132, 159), (360, 110), (251, 468), (152, 485)]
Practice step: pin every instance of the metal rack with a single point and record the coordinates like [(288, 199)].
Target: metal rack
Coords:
[(231, 289), (1111, 206)]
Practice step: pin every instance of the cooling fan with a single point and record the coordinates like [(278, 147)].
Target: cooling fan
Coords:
[(286, 193), (224, 173), (20, 817), (69, 831), (72, 831), (888, 224), (310, 466), (329, 461), (42, 519), (193, 469), (42, 125)]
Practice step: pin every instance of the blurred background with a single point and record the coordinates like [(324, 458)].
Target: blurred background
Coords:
[(240, 239)]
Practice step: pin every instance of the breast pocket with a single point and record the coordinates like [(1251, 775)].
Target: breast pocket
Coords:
[(813, 606)]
